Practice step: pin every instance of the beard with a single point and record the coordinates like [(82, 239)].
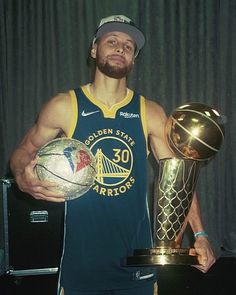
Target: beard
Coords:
[(112, 71)]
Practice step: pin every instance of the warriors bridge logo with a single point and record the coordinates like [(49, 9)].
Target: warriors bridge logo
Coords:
[(113, 153)]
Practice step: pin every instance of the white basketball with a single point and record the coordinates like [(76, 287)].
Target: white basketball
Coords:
[(69, 163)]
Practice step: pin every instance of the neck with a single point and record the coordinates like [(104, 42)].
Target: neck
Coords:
[(108, 90)]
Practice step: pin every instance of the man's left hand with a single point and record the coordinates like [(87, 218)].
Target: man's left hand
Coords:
[(206, 257)]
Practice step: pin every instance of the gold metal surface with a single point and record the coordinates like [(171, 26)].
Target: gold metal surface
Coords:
[(162, 256), (173, 194), (195, 131)]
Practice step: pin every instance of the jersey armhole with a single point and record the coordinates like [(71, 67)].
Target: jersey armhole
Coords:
[(144, 120), (74, 115)]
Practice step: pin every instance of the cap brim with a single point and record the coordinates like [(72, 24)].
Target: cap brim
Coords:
[(131, 30)]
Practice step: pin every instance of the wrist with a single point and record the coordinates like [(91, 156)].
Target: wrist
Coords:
[(200, 234)]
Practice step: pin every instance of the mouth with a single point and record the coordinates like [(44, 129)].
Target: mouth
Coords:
[(117, 59)]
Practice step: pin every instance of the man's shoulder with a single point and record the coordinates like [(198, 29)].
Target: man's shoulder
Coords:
[(154, 112), (61, 100), (152, 104), (68, 93), (61, 95)]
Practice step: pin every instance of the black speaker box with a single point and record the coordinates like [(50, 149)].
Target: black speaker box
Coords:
[(31, 232)]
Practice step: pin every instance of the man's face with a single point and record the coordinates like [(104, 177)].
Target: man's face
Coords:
[(114, 53)]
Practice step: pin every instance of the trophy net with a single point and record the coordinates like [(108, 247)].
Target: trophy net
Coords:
[(174, 189), (172, 198)]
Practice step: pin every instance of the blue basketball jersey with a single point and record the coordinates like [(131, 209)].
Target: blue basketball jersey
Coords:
[(107, 223)]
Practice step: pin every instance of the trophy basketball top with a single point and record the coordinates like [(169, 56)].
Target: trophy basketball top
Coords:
[(195, 131)]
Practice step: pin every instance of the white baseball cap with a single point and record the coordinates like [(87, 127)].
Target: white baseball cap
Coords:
[(123, 24)]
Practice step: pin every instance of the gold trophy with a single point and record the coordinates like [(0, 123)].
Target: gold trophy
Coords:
[(195, 133)]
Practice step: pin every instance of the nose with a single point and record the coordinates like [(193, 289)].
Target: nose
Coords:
[(120, 48)]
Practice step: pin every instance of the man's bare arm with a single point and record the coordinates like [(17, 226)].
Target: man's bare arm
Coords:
[(54, 118)]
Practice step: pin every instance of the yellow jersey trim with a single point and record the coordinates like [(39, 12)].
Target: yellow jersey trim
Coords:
[(108, 112), (144, 120), (74, 115)]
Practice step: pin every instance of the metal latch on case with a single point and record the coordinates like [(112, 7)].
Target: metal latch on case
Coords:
[(38, 216)]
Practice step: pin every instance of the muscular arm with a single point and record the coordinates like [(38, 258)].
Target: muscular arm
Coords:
[(156, 121), (54, 118)]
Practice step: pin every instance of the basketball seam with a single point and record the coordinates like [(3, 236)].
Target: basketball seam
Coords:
[(62, 178), (198, 139), (199, 113)]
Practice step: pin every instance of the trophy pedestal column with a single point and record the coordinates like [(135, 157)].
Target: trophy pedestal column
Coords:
[(172, 200)]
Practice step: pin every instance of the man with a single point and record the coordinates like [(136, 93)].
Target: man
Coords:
[(105, 225)]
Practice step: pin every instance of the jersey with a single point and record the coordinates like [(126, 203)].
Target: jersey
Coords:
[(108, 222)]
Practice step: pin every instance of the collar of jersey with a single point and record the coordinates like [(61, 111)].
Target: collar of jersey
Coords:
[(108, 112)]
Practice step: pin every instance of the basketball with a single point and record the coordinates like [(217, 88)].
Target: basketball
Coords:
[(68, 163), (195, 131)]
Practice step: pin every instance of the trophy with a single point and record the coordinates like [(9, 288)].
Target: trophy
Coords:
[(195, 133)]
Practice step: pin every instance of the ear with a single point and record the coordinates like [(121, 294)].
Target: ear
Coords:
[(93, 52)]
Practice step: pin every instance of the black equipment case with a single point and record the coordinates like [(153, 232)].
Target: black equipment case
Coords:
[(31, 232)]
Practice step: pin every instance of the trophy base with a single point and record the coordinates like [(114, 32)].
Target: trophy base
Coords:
[(162, 256)]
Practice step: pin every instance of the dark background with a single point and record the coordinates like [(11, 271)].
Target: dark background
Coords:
[(189, 56)]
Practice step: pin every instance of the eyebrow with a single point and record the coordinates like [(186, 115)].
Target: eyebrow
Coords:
[(115, 35)]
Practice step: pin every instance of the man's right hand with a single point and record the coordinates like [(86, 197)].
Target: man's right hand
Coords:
[(28, 182)]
